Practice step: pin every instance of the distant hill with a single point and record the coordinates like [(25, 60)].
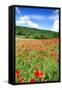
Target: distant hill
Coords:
[(35, 33)]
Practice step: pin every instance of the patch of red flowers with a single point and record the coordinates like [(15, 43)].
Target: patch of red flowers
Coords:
[(32, 81), (39, 74), (21, 80), (17, 72)]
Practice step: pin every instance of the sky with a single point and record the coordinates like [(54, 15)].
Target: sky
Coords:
[(40, 18)]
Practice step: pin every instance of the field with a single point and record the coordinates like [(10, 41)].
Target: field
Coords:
[(37, 60)]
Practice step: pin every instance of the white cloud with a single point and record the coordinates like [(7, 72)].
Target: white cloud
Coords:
[(38, 17), (17, 10), (25, 17), (20, 22), (56, 11), (26, 21), (31, 24), (53, 17), (55, 26)]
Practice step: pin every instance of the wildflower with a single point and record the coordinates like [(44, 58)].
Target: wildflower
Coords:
[(32, 81), (17, 73), (39, 74)]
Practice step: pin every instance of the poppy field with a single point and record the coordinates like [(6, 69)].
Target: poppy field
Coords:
[(37, 60)]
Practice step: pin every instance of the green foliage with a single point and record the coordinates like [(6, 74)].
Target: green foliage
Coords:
[(51, 68), (35, 33), (36, 36)]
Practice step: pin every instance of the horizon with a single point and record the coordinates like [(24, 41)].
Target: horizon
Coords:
[(36, 28)]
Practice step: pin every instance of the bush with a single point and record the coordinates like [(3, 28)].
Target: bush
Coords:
[(18, 33), (43, 36), (36, 36), (27, 36)]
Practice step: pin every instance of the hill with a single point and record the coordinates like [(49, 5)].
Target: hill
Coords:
[(33, 33)]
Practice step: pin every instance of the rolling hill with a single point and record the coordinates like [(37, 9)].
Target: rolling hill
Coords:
[(34, 33)]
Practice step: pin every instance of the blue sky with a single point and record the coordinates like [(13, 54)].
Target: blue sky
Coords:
[(41, 18)]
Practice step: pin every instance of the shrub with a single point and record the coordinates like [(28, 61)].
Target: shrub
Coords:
[(43, 36), (36, 36)]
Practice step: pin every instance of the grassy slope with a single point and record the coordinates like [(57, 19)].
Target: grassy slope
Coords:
[(28, 32)]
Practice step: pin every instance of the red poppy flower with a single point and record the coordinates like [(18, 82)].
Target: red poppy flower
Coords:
[(17, 73), (21, 80), (39, 74), (32, 81)]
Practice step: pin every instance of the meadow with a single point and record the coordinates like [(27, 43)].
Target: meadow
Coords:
[(37, 59)]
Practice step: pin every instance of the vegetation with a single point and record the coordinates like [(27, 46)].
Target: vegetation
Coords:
[(37, 60), (33, 33)]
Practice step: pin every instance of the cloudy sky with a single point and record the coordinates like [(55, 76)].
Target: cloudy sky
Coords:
[(41, 18)]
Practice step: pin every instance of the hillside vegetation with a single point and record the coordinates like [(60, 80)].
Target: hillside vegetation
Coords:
[(25, 32)]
